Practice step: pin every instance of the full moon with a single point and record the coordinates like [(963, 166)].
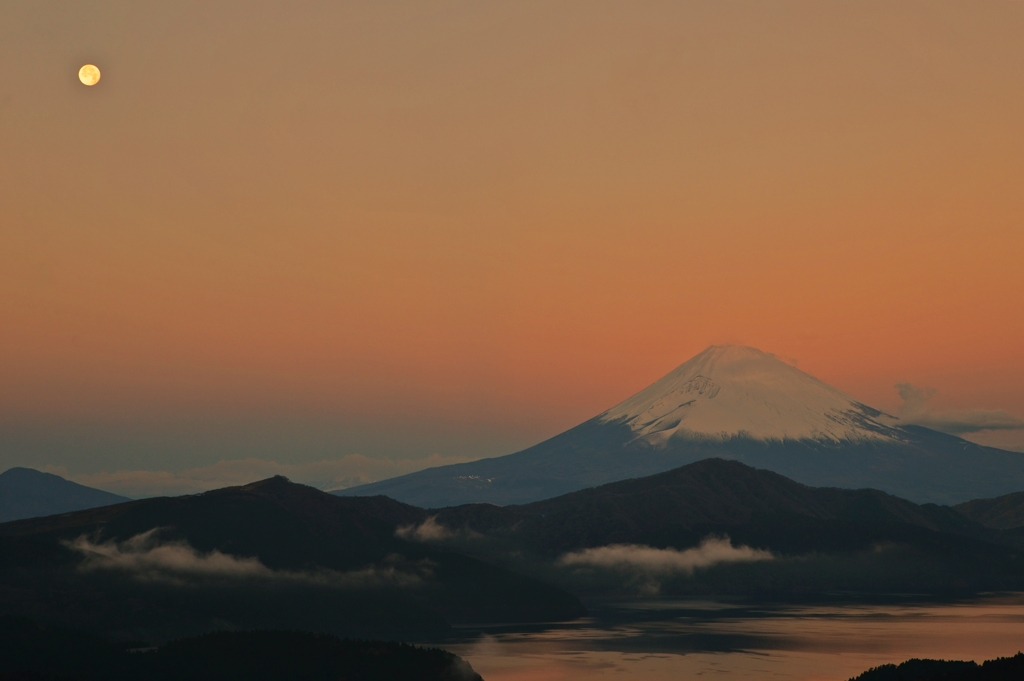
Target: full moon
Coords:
[(89, 74)]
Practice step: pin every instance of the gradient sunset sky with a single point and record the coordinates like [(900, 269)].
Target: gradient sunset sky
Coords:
[(334, 238)]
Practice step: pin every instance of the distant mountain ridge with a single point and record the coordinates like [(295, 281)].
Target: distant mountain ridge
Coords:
[(731, 403), (28, 493)]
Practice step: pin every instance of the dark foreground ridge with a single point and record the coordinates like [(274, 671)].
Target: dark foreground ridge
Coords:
[(276, 555), (1001, 669), (270, 555), (715, 496), (821, 539), (29, 652)]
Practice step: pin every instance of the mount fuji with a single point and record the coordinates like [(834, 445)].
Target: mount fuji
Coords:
[(734, 403)]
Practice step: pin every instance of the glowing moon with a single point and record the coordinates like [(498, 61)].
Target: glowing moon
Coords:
[(89, 74)]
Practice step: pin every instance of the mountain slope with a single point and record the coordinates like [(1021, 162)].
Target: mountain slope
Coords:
[(732, 403), (28, 493), (1003, 513), (714, 496), (727, 392), (272, 554), (819, 539)]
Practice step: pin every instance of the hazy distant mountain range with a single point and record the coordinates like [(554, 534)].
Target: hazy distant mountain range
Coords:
[(734, 403), (28, 493)]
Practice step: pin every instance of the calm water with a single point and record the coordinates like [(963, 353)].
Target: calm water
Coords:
[(655, 640)]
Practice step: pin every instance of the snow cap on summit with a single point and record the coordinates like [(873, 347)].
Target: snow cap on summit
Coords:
[(734, 391)]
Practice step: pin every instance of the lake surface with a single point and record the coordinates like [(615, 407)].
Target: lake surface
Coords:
[(658, 640)]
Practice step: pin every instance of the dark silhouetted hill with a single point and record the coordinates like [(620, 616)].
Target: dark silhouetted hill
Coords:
[(713, 496), (1000, 669), (28, 493), (822, 538), (268, 555), (1003, 513)]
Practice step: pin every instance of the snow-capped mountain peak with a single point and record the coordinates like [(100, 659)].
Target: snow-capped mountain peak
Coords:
[(732, 391)]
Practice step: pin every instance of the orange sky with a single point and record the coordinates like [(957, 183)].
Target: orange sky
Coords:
[(458, 227)]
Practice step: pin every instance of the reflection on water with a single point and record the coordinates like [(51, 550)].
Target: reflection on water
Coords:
[(659, 639)]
